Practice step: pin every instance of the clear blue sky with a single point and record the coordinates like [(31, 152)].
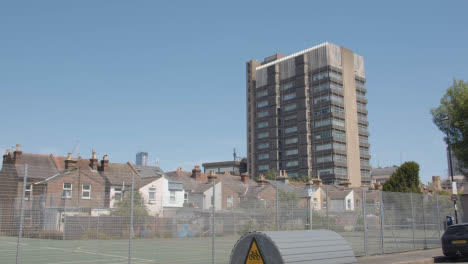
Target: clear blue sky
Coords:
[(169, 78)]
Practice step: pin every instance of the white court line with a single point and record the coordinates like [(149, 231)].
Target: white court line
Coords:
[(84, 261), (95, 253), (14, 243)]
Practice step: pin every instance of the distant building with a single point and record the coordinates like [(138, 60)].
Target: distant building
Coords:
[(381, 175), (233, 167), (307, 114), (142, 158)]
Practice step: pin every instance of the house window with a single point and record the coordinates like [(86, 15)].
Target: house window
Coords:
[(291, 141), (290, 129), (67, 190), (262, 114), (323, 146), (172, 196), (349, 204), (324, 205), (263, 135), (28, 191), (292, 163), (117, 194), (289, 96), (185, 197), (358, 203), (262, 93), (262, 104), (86, 191), (291, 152), (262, 124), (315, 203), (263, 145), (290, 107), (229, 202), (152, 194)]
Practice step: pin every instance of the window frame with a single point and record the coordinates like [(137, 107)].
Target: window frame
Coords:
[(66, 190), (83, 191)]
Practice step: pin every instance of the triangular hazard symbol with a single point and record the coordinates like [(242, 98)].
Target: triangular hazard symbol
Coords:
[(254, 256)]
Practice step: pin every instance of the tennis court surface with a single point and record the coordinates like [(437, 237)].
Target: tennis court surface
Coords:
[(162, 250)]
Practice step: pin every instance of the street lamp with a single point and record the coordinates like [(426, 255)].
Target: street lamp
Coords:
[(446, 121)]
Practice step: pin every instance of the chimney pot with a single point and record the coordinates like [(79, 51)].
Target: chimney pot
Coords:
[(245, 177), (18, 147), (104, 163), (196, 173), (69, 156)]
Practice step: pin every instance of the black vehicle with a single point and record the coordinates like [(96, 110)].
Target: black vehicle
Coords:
[(455, 239)]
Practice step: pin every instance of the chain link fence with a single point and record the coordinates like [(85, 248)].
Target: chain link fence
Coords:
[(74, 220)]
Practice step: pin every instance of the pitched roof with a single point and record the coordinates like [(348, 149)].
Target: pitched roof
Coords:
[(48, 167)]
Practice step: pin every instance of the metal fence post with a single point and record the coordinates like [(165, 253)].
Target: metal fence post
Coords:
[(364, 220), (326, 199), (382, 223), (438, 216), (20, 231), (413, 220), (131, 220), (277, 208), (213, 223), (311, 213), (424, 221)]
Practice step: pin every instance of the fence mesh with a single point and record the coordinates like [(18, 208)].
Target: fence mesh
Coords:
[(75, 220)]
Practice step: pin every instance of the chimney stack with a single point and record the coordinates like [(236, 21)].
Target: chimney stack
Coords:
[(18, 152), (283, 177), (245, 178), (70, 163), (104, 163), (7, 156), (179, 169), (212, 176), (436, 183), (93, 162), (196, 173), (346, 183), (261, 180), (317, 181)]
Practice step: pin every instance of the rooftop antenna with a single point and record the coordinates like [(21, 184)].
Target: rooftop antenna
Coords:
[(76, 149)]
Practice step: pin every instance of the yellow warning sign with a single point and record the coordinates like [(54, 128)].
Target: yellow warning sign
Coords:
[(254, 256)]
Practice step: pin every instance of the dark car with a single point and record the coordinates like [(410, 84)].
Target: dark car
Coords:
[(455, 240)]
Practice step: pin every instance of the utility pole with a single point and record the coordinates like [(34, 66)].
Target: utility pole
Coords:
[(447, 120)]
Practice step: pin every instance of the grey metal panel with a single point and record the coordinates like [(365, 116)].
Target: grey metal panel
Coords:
[(302, 246)]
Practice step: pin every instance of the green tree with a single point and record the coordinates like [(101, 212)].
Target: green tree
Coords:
[(122, 208), (300, 178), (271, 174), (404, 179), (451, 117)]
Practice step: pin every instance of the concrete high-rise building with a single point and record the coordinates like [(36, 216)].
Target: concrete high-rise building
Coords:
[(307, 114), (142, 158)]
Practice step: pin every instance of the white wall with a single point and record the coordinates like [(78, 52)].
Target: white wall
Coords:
[(179, 201), (209, 193), (155, 207)]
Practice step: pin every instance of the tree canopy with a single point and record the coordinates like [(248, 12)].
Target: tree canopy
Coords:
[(122, 208), (451, 117), (404, 179)]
